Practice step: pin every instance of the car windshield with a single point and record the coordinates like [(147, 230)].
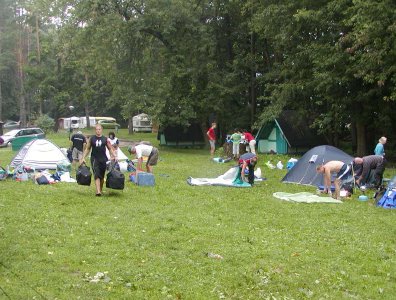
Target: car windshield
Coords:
[(12, 132)]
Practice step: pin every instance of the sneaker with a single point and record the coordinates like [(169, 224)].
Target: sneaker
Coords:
[(98, 195)]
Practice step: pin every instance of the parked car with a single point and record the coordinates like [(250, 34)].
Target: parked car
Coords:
[(11, 125), (8, 137), (108, 124)]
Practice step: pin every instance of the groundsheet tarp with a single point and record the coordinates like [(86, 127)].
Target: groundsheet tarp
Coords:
[(229, 178), (305, 197)]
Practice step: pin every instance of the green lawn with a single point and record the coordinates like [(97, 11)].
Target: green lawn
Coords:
[(153, 242)]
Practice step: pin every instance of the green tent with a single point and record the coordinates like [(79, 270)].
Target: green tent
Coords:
[(287, 133)]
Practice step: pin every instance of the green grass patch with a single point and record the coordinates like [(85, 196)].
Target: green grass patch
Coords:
[(152, 242)]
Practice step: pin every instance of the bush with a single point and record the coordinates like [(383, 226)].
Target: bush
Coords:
[(45, 122)]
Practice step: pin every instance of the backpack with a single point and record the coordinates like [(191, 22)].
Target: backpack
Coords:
[(83, 175), (115, 179), (388, 200)]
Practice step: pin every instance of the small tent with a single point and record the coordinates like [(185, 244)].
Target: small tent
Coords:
[(39, 154), (304, 171), (286, 133), (179, 136)]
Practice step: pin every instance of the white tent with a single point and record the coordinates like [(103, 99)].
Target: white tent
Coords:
[(39, 154), (120, 154)]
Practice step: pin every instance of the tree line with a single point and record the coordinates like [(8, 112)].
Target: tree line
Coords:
[(239, 62)]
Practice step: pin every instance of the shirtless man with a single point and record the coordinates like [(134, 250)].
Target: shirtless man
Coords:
[(342, 169)]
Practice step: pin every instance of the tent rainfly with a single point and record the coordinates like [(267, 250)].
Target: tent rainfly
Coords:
[(286, 133), (40, 154), (304, 171)]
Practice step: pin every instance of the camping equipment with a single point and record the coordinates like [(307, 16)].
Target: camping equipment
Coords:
[(145, 179), (69, 154), (115, 179), (363, 198), (388, 199), (83, 175), (39, 154), (227, 179), (304, 197), (290, 163), (3, 173), (42, 179), (304, 171), (63, 166)]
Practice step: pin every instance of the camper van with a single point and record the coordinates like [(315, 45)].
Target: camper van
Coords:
[(83, 122), (142, 123), (69, 123), (94, 120)]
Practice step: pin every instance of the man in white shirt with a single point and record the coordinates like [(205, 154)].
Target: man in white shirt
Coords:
[(145, 150)]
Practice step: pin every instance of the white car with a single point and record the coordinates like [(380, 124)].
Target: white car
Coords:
[(9, 136)]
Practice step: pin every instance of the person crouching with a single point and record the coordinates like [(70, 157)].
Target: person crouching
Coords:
[(247, 161)]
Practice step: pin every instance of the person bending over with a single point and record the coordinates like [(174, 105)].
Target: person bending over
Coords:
[(145, 150), (247, 161), (334, 167)]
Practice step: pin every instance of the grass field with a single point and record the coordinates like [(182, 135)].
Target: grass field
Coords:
[(153, 242)]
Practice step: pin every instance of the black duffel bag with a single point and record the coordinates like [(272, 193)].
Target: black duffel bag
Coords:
[(83, 175), (115, 179)]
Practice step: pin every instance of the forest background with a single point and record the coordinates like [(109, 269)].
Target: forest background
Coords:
[(239, 62)]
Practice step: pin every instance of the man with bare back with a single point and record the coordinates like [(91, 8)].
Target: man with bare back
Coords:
[(340, 168)]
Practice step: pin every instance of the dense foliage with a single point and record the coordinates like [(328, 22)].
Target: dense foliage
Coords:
[(240, 62)]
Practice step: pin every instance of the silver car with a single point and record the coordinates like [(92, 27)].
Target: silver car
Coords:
[(9, 136)]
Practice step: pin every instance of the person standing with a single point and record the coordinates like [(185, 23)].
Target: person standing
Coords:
[(141, 150), (114, 140), (236, 138), (249, 138), (212, 138), (98, 144), (78, 143), (379, 149)]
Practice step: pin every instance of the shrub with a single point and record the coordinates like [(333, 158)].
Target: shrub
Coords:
[(45, 122)]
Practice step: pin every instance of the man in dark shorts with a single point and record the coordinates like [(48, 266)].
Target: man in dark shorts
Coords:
[(342, 170), (78, 141), (145, 150), (98, 143)]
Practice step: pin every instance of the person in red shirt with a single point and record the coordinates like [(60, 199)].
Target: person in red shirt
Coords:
[(249, 138), (212, 138)]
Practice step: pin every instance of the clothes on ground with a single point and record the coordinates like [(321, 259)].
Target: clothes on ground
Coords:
[(304, 197)]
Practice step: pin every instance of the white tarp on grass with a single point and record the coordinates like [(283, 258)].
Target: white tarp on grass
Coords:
[(305, 197)]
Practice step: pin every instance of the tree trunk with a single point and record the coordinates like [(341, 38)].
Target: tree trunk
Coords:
[(20, 60), (130, 125), (38, 61), (361, 139), (252, 80), (1, 75)]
